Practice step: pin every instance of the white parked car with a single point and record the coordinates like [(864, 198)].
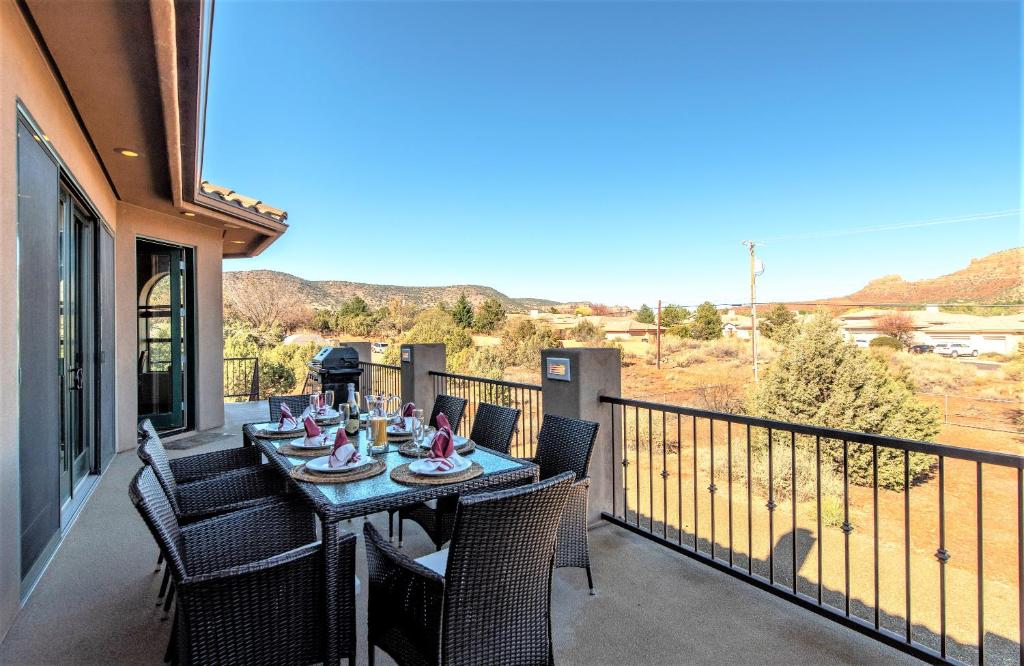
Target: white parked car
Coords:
[(954, 349), (379, 347)]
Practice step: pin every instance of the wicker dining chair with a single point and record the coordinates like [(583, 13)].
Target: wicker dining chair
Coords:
[(565, 445), (251, 584), (201, 498), (296, 403), (195, 495), (486, 599), (452, 407), (205, 465), (493, 427)]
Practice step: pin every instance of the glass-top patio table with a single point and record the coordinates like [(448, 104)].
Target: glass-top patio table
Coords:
[(334, 502)]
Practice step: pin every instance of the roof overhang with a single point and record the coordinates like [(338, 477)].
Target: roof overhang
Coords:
[(134, 73)]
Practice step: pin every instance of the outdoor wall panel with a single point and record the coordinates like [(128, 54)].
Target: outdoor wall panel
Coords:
[(39, 432)]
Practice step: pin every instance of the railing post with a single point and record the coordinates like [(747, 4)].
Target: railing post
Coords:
[(591, 374), (254, 388), (417, 362)]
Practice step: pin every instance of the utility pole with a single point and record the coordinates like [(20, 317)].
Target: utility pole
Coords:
[(659, 334), (753, 302)]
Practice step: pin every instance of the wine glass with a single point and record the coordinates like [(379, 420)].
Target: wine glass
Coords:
[(314, 401), (328, 399), (417, 424)]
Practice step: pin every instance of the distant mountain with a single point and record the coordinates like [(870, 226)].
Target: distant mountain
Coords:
[(330, 294), (996, 278)]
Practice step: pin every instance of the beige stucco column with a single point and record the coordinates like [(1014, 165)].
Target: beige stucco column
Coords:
[(574, 392), (417, 362)]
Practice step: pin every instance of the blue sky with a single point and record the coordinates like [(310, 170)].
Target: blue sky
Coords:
[(620, 152)]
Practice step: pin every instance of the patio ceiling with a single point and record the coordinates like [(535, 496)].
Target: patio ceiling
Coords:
[(131, 71)]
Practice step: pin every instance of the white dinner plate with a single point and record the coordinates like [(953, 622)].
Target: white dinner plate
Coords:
[(277, 427), (458, 439), (323, 465), (423, 466), (300, 443)]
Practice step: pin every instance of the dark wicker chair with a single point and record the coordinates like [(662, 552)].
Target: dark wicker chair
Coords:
[(251, 583), (209, 496), (419, 615), (494, 428), (194, 496), (452, 406), (296, 403), (565, 445), (204, 465)]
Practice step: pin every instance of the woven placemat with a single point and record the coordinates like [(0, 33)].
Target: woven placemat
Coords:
[(413, 450), (273, 434), (401, 474), (289, 450), (300, 473)]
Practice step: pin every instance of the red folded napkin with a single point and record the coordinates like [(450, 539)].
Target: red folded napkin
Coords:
[(312, 429), (286, 415), (443, 447), (343, 453), (409, 409)]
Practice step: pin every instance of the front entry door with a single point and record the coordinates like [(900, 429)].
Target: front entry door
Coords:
[(161, 340), (76, 346)]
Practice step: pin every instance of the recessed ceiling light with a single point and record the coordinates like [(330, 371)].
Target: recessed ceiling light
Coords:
[(237, 242), (127, 152), (188, 213)]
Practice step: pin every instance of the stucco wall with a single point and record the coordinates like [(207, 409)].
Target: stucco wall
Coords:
[(25, 75), (133, 223)]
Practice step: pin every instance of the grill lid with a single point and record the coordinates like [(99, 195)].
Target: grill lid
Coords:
[(336, 358)]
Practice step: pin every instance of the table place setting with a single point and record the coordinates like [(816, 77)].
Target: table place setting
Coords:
[(343, 464), (441, 464)]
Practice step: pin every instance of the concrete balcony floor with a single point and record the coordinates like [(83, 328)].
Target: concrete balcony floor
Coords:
[(96, 602)]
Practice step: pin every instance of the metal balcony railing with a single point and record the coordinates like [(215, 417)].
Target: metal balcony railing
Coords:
[(850, 525), (378, 378), (242, 377), (525, 397)]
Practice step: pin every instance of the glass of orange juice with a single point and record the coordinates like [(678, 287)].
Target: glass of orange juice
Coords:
[(378, 434)]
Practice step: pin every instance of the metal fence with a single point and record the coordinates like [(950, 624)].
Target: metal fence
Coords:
[(994, 414), (849, 525), (475, 390), (242, 377), (378, 378)]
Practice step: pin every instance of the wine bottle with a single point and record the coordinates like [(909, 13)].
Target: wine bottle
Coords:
[(352, 425)]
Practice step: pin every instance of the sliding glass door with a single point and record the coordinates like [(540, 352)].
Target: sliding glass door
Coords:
[(76, 343)]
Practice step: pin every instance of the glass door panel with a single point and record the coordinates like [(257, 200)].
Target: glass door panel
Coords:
[(160, 357)]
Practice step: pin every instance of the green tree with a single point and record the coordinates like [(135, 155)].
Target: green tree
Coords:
[(778, 323), (489, 316), (886, 341), (586, 332), (673, 315), (645, 315), (354, 307), (707, 322), (433, 325), (819, 379), (462, 313)]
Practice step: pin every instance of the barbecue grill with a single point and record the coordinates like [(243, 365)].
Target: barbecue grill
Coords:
[(332, 368)]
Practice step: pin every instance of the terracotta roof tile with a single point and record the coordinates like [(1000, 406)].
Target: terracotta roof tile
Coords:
[(248, 203)]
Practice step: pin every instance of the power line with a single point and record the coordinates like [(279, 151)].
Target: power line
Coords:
[(855, 304), (851, 231)]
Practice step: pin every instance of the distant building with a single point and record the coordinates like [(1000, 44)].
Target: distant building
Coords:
[(999, 334)]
